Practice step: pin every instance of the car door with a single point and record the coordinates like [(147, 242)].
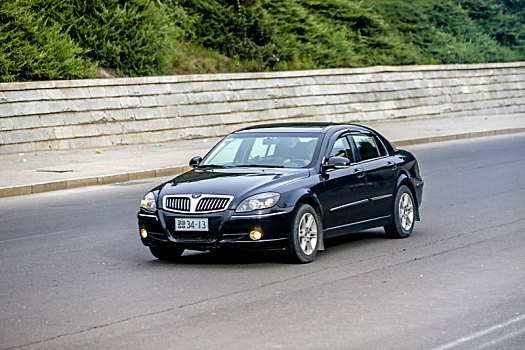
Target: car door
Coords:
[(344, 199), (380, 170)]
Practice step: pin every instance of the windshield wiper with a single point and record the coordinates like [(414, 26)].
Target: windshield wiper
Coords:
[(213, 166), (258, 166)]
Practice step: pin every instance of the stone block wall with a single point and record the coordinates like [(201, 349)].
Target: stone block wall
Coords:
[(102, 112)]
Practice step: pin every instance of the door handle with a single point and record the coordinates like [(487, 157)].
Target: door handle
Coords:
[(392, 165), (359, 173)]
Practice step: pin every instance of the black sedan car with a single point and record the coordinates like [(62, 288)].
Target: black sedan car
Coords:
[(287, 187)]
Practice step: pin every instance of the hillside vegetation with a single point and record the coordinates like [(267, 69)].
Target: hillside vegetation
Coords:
[(56, 39)]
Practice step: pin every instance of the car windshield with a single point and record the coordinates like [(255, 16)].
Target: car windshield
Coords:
[(279, 150)]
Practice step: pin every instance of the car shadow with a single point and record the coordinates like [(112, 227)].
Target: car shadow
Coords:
[(354, 237), (225, 257), (240, 257)]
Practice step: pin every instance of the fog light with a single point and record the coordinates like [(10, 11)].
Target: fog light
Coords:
[(255, 235), (143, 233)]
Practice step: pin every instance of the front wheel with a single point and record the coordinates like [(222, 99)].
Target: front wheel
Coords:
[(304, 235), (403, 214), (164, 253)]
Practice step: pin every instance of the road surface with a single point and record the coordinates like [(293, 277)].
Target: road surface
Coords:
[(73, 273)]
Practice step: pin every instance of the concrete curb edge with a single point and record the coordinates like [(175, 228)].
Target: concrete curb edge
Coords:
[(468, 135), (90, 181)]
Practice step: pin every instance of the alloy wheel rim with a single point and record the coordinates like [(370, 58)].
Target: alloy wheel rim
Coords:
[(406, 212), (307, 233)]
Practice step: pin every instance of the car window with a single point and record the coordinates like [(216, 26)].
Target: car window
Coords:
[(341, 148), (382, 149), (366, 146), (294, 150)]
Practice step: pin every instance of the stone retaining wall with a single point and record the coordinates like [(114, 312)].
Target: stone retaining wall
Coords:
[(103, 112)]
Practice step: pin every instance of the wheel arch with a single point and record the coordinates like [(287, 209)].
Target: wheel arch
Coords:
[(308, 197), (403, 179)]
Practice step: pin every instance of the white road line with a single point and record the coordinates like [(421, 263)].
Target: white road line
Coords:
[(502, 338), (480, 333)]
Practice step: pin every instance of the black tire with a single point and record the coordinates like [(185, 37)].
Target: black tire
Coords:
[(166, 253), (304, 235), (403, 214)]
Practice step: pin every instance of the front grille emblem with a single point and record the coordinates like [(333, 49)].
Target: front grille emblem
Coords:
[(196, 195)]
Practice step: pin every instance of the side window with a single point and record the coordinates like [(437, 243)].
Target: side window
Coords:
[(341, 148), (366, 146), (382, 149)]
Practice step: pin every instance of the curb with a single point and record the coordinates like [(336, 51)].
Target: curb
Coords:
[(90, 181), (144, 174), (468, 135)]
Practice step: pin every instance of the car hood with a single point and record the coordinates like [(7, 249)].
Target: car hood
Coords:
[(239, 183)]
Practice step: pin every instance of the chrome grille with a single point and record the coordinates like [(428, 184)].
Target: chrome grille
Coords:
[(178, 203), (206, 203), (212, 203)]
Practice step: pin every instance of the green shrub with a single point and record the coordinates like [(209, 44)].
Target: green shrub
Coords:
[(235, 29), (54, 39), (129, 36), (57, 39), (34, 48), (330, 34), (444, 31)]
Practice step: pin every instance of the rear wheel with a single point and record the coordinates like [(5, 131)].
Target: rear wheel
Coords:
[(403, 214), (164, 253), (304, 236)]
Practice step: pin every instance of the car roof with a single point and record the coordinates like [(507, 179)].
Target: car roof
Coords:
[(301, 127)]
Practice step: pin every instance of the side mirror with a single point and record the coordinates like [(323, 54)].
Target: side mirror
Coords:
[(195, 161), (336, 163)]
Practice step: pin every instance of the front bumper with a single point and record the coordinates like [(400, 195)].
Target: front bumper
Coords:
[(226, 229)]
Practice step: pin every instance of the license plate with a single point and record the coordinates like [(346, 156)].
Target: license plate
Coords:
[(191, 224)]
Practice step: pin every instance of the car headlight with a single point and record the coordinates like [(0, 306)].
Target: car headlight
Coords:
[(257, 202), (148, 202)]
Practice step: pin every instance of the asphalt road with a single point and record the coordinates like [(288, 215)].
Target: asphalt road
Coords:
[(73, 273)]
